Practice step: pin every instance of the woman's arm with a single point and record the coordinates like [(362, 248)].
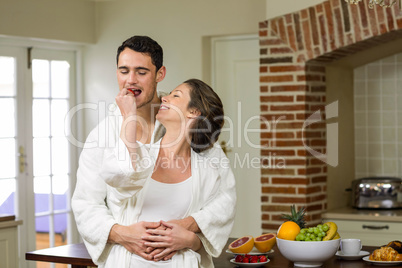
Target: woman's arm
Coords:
[(128, 132)]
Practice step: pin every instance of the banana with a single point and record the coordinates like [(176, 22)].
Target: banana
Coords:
[(337, 236), (332, 230)]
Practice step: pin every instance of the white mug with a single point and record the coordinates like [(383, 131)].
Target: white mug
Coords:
[(351, 246)]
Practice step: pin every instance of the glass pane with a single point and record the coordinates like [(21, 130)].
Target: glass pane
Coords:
[(41, 118), (7, 196), (60, 187), (42, 191), (40, 78), (7, 117), (42, 186), (7, 77), (41, 156), (59, 111), (60, 223), (60, 156), (7, 158), (60, 79), (41, 223)]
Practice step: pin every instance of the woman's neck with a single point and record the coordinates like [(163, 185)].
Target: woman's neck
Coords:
[(175, 142)]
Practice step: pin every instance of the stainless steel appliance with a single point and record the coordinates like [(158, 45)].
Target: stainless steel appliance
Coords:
[(377, 193)]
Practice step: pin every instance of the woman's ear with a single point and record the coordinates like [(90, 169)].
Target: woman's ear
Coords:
[(194, 113)]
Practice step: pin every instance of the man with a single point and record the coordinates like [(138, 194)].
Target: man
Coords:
[(139, 70)]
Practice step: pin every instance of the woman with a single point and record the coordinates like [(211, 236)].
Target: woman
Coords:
[(169, 179)]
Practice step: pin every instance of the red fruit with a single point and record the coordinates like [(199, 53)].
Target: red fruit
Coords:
[(245, 260), (242, 245), (239, 258), (254, 259), (263, 258)]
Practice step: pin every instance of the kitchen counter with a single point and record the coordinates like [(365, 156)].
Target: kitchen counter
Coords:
[(348, 213), (276, 260), (372, 227), (9, 239)]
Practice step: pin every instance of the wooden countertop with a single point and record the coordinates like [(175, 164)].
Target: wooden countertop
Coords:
[(278, 261), (348, 213), (74, 254), (77, 255), (7, 221)]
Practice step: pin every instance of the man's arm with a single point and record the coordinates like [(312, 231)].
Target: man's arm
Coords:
[(188, 223), (93, 217), (215, 220)]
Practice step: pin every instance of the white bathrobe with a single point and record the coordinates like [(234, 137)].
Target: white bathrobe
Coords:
[(96, 208)]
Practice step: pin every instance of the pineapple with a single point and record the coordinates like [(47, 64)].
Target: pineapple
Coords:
[(297, 217)]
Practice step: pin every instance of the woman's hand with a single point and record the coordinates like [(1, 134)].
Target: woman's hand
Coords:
[(172, 239), (130, 237), (128, 133), (126, 102)]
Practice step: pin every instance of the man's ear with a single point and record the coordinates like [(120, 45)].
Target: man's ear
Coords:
[(194, 113), (160, 74)]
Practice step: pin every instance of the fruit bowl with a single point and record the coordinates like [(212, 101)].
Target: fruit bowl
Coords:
[(308, 253)]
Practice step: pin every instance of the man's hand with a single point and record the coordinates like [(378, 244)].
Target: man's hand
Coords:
[(188, 223), (172, 239), (130, 237)]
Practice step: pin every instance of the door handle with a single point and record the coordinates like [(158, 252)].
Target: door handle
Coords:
[(373, 227), (21, 159)]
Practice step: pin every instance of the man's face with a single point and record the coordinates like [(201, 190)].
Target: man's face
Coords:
[(136, 73)]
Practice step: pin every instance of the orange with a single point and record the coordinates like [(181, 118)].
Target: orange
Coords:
[(242, 245), (288, 230), (265, 242)]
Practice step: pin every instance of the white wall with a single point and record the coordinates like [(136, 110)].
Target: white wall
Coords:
[(179, 26), (67, 20), (277, 8)]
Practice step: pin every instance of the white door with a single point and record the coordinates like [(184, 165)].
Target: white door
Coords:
[(235, 77), (36, 92)]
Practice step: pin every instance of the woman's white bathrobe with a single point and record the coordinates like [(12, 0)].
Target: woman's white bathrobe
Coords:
[(108, 191)]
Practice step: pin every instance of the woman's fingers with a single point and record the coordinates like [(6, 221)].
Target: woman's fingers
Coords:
[(168, 224), (156, 244), (168, 257), (156, 232), (166, 252), (155, 252)]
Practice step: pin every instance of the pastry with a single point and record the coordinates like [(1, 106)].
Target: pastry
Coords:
[(385, 254)]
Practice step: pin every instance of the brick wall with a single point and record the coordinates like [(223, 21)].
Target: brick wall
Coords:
[(294, 49)]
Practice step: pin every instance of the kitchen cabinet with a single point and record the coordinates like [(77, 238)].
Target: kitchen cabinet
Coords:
[(9, 242), (371, 233), (372, 227)]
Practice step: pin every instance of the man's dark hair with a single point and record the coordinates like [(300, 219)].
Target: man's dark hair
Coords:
[(146, 45)]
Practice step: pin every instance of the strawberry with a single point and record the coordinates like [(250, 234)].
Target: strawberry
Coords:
[(254, 259), (239, 258), (245, 260), (263, 258)]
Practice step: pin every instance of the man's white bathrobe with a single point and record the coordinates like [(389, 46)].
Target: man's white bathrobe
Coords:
[(109, 191)]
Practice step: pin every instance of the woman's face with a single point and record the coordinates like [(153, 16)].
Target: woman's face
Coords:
[(174, 107)]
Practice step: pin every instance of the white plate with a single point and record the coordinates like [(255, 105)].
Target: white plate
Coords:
[(382, 263), (254, 251), (242, 264), (360, 255)]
